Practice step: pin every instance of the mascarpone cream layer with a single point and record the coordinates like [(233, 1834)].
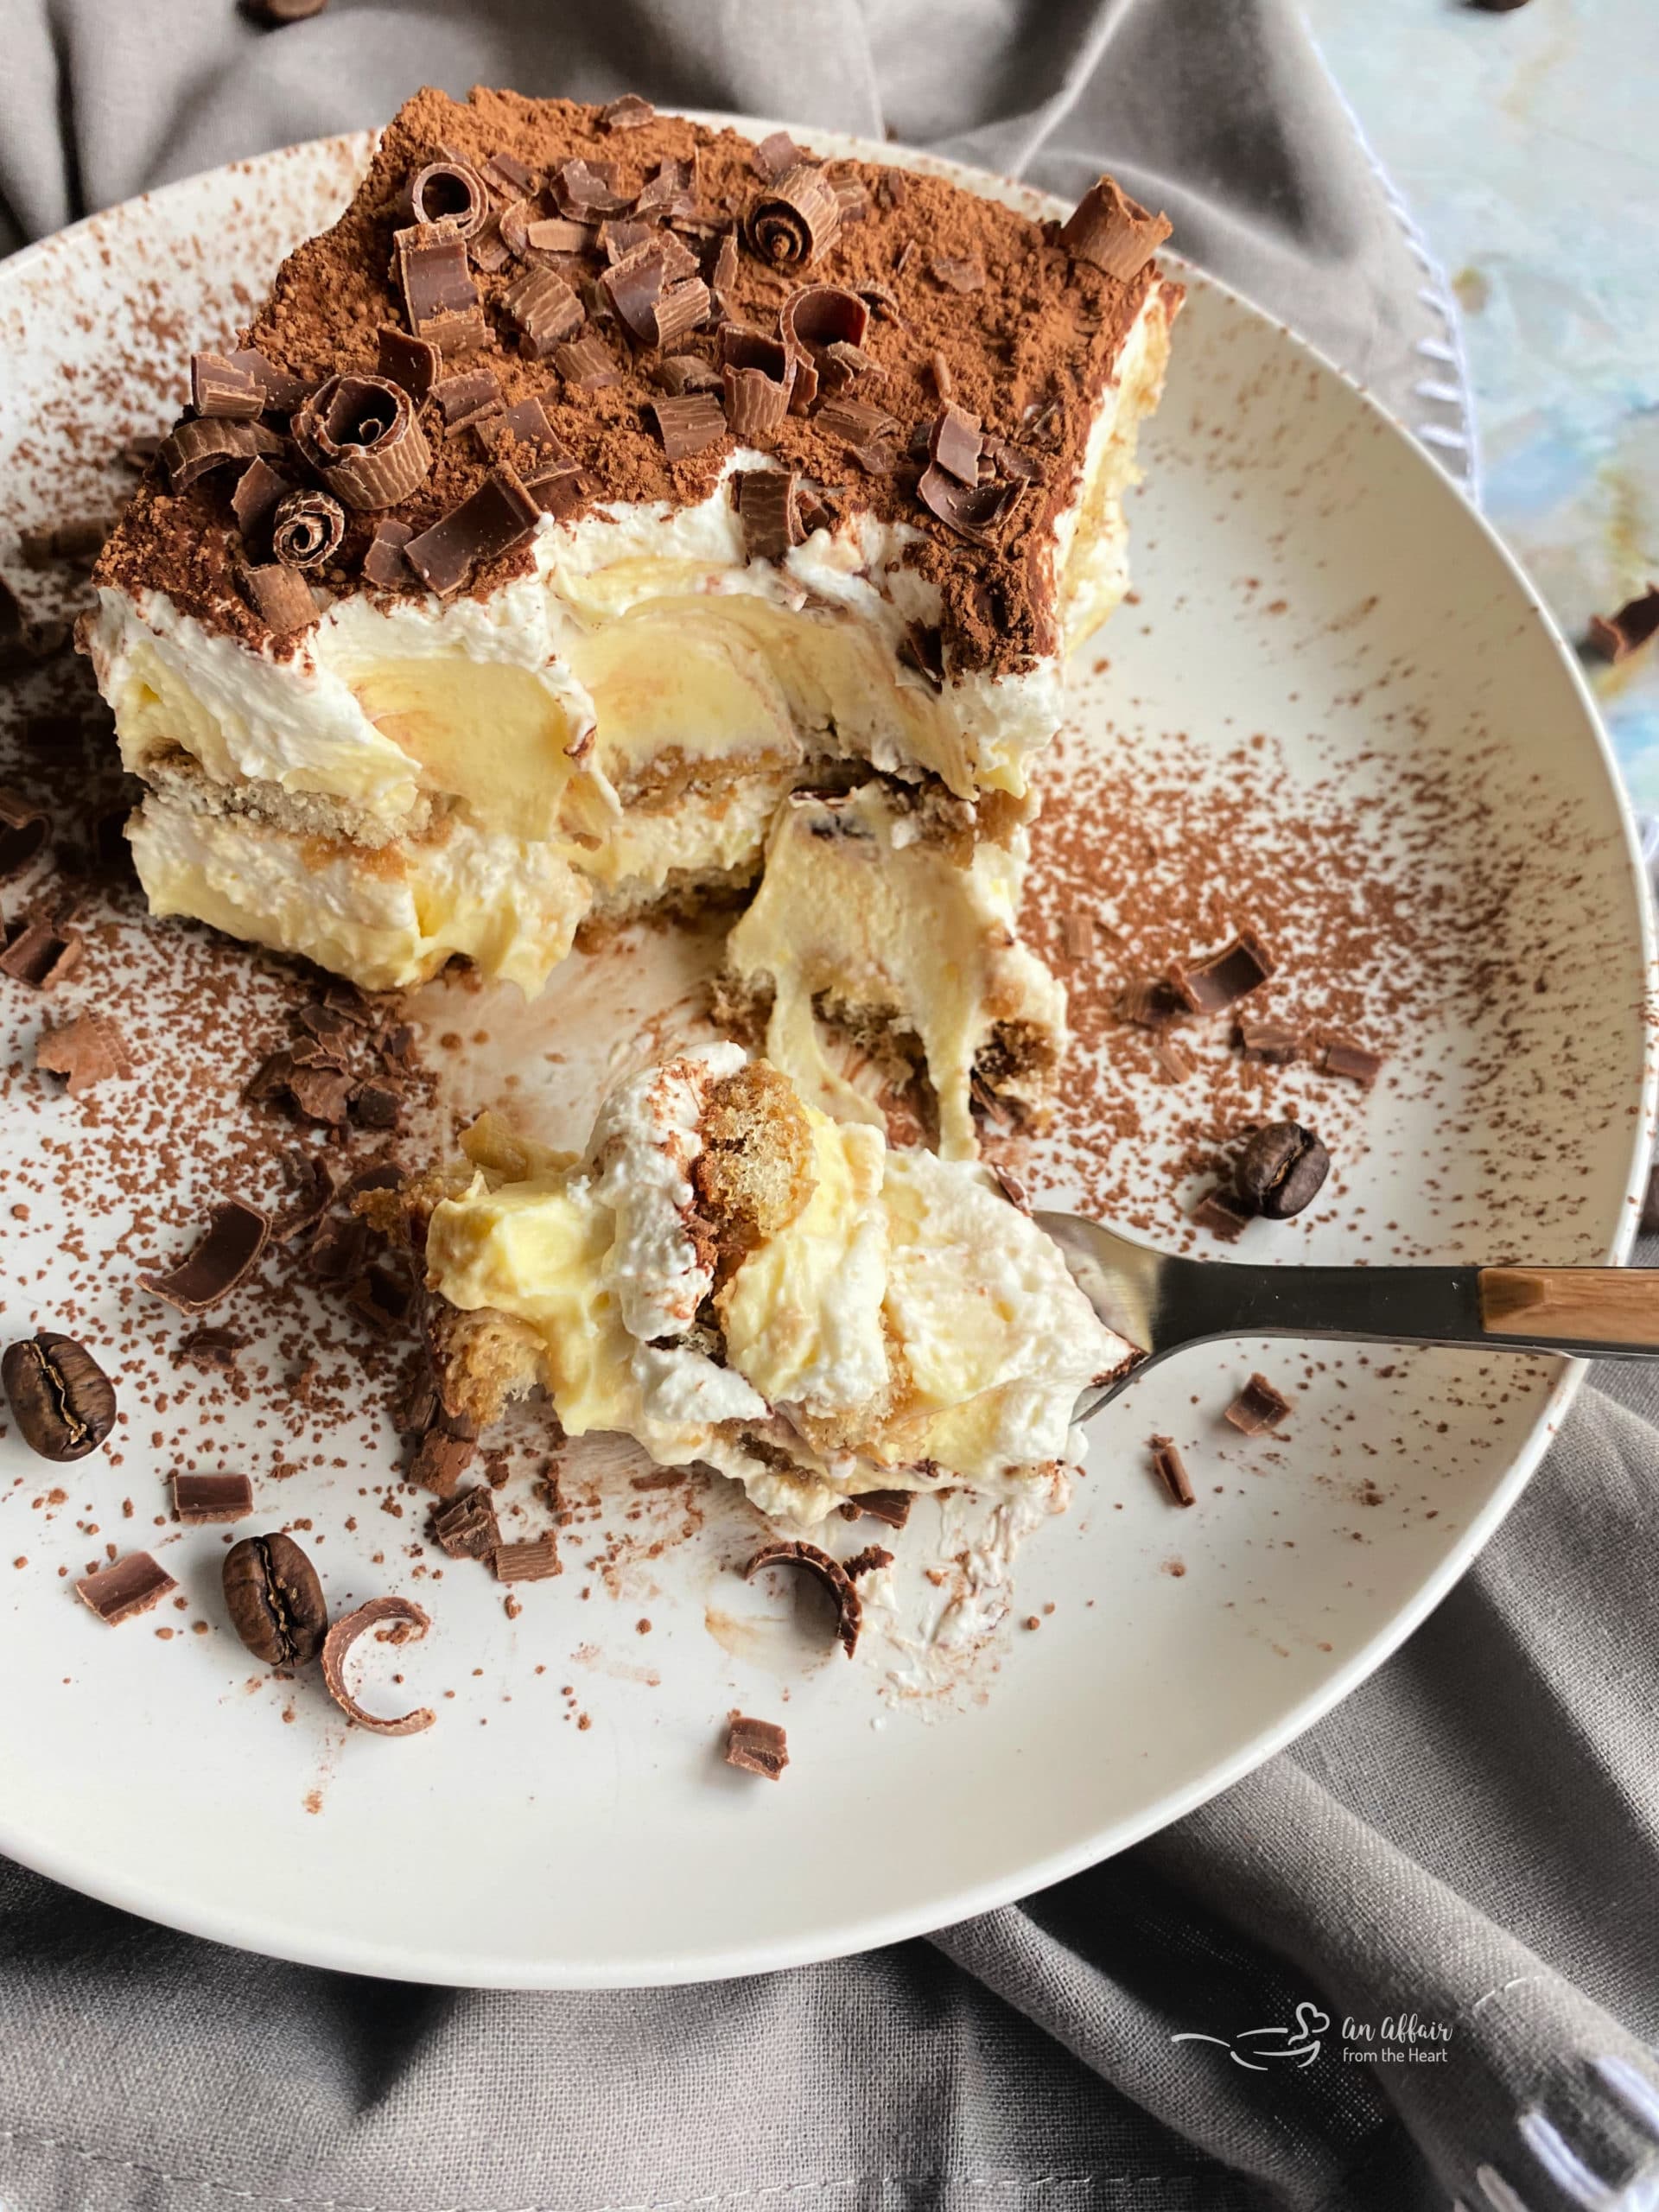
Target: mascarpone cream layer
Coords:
[(907, 1302)]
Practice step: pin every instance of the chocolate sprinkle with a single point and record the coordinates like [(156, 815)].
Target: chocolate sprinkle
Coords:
[(465, 1526), (829, 1572), (85, 1049), (131, 1586), (235, 1237), (1354, 1061), (403, 1613), (1258, 1408), (1170, 1470), (197, 1499), (757, 1746), (536, 1561)]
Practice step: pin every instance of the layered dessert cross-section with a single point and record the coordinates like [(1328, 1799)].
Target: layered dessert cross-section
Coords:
[(600, 485), (729, 1276)]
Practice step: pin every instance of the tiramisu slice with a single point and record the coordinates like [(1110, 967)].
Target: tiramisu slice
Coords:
[(599, 480), (729, 1275)]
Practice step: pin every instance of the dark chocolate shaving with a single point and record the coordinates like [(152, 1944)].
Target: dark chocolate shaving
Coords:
[(586, 364), (220, 389), (972, 511), (757, 1746), (1170, 1470), (236, 1235), (40, 950), (829, 1572), (467, 391), (958, 276), (440, 1461), (218, 1349), (383, 563), (891, 1507), (587, 190), (536, 1559), (131, 1586), (1220, 979), (280, 596), (1617, 636), (545, 309), (283, 391), (415, 363), (464, 1525), (854, 421), (403, 1613), (1272, 1042), (307, 529), (954, 443), (255, 499), (775, 155), (496, 517), (507, 173), (1112, 232), (558, 234), (199, 1499), (678, 373), (1258, 1408), (769, 505), (361, 435), (1353, 1061), (686, 426), (191, 449)]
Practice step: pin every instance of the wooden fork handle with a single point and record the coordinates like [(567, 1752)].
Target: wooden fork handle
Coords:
[(1602, 1306)]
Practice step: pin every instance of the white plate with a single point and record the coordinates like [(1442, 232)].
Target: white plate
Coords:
[(1430, 787)]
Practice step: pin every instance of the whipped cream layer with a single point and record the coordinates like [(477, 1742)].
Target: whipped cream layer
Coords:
[(897, 1324)]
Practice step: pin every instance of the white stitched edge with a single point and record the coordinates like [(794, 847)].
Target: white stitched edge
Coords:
[(1563, 2165), (1638, 2096), (1498, 2192)]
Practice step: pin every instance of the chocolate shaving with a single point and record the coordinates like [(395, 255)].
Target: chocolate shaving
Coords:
[(361, 435), (493, 520), (1217, 981), (197, 1499), (85, 1049), (1170, 1470), (191, 449), (855, 421), (1112, 232), (131, 1586), (815, 318), (436, 283), (965, 276), (508, 174), (889, 1506), (258, 489), (758, 1746), (829, 1572), (138, 454), (383, 563), (406, 1615), (75, 543), (464, 1525), (450, 192), (22, 832), (283, 391), (971, 511), (617, 240), (558, 234), (280, 596), (307, 529), (1077, 935), (686, 426), (775, 156), (215, 1349), (526, 420), (545, 309), (382, 1298), (922, 647), (1354, 1061), (768, 502), (220, 389), (1258, 1408), (1223, 1215), (1175, 1064), (415, 363), (756, 377), (587, 364), (236, 1235), (465, 393), (440, 1459), (586, 190), (1617, 636), (724, 273), (870, 1561), (682, 372), (954, 444), (1150, 1002), (377, 1104), (1271, 1042), (794, 223), (41, 950), (537, 1560)]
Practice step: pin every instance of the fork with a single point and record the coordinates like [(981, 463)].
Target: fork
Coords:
[(1161, 1304)]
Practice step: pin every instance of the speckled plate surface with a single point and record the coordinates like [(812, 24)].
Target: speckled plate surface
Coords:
[(1333, 710)]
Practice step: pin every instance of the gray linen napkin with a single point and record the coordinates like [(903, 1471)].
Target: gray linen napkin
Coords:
[(1473, 1839)]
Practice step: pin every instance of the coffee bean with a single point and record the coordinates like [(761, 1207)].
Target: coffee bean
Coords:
[(64, 1401), (1282, 1169), (275, 1600)]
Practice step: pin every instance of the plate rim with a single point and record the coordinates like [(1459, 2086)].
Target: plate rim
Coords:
[(249, 1930)]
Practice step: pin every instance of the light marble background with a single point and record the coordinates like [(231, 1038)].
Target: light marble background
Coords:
[(1527, 146)]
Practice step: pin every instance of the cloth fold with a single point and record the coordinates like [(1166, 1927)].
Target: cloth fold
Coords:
[(1469, 1841)]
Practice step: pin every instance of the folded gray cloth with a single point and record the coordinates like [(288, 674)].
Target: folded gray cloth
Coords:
[(1467, 1851)]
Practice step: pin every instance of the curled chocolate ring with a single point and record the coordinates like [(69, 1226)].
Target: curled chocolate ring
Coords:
[(815, 318), (794, 222), (452, 192), (307, 529), (360, 433)]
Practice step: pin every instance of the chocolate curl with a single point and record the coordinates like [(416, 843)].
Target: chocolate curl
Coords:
[(440, 298), (281, 597), (758, 376), (415, 363), (815, 318), (360, 434), (307, 529), (796, 222), (221, 390), (545, 309), (404, 1615), (768, 502), (656, 292), (972, 511), (954, 442), (450, 192), (1112, 232), (191, 449)]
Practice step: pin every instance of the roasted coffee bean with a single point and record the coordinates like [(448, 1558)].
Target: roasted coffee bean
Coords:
[(64, 1401), (1282, 1169), (275, 1600)]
